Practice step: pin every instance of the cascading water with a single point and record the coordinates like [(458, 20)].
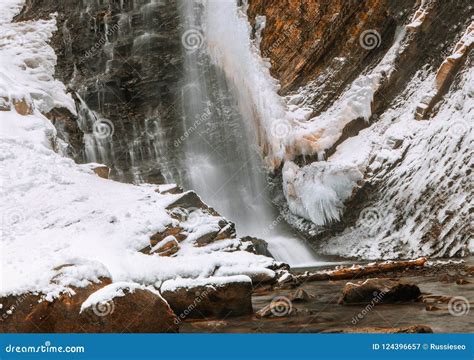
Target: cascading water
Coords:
[(143, 82), (222, 160)]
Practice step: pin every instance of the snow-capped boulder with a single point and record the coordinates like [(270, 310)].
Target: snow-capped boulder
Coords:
[(378, 291)]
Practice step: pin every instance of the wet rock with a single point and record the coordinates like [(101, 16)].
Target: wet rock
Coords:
[(134, 89), (211, 299), (68, 130), (259, 246), (462, 281), (279, 307), (189, 200), (378, 290), (300, 295)]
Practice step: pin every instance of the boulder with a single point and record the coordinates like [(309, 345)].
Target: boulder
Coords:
[(259, 246), (218, 297), (134, 309), (188, 200), (379, 291), (138, 311), (300, 295)]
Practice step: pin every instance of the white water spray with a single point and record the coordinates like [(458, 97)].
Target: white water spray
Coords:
[(223, 161)]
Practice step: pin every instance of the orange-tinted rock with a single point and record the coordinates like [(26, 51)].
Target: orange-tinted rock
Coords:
[(22, 107), (166, 247), (102, 171), (175, 231), (140, 311)]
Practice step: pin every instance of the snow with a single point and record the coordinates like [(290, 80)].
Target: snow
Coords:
[(214, 281), (58, 213), (429, 188), (112, 291), (27, 65)]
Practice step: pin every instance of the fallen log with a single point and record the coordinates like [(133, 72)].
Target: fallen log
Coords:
[(358, 271)]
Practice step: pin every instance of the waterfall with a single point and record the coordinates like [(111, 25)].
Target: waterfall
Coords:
[(179, 118), (222, 159)]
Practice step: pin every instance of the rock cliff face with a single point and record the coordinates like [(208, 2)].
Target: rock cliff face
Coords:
[(414, 195), (122, 61)]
